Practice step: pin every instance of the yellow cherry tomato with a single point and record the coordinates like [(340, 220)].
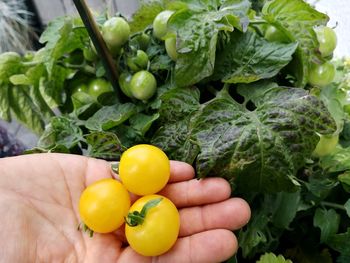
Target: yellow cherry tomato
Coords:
[(159, 229), (103, 205), (144, 169)]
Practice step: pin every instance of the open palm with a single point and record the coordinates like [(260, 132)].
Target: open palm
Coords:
[(39, 195)]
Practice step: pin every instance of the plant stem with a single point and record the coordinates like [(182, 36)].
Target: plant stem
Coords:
[(333, 205), (100, 45), (86, 68)]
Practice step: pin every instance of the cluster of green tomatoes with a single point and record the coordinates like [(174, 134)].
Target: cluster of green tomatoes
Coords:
[(152, 222), (320, 74), (135, 80)]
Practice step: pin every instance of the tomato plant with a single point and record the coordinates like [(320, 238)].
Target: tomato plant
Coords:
[(170, 47), (98, 87), (115, 32), (327, 40), (153, 225), (321, 74), (103, 205), (144, 169), (143, 85), (160, 27)]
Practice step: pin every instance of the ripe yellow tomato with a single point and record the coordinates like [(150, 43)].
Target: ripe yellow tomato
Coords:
[(144, 169), (103, 205), (160, 227)]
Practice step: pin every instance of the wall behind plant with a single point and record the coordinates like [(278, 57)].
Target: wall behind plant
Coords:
[(47, 10)]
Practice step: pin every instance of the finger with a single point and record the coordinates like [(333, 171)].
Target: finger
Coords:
[(96, 169), (206, 247), (197, 192), (231, 214), (180, 171)]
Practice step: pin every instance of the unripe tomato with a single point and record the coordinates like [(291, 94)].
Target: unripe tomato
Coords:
[(144, 169), (103, 205), (170, 47), (159, 230), (273, 34), (98, 87), (89, 54), (327, 40), (321, 74), (143, 85), (138, 62), (326, 145), (124, 84), (160, 27), (115, 32)]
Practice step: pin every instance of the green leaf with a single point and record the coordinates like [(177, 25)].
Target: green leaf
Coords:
[(142, 122), (347, 207), (127, 135), (24, 109), (272, 258), (332, 97), (337, 161), (10, 64), (105, 145), (255, 237), (248, 58), (175, 140), (197, 35), (146, 13), (110, 116), (260, 149), (61, 132), (340, 242), (345, 180), (51, 30), (320, 186), (5, 103), (62, 39), (285, 208), (20, 79), (296, 19), (52, 87), (328, 221), (178, 103), (174, 135)]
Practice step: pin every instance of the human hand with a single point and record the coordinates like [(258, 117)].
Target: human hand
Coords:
[(39, 213)]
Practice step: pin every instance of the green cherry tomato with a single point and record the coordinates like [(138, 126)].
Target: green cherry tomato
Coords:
[(115, 32), (273, 34), (124, 83), (143, 41), (144, 169), (170, 47), (89, 53), (103, 205), (143, 85), (138, 62), (160, 27), (327, 40), (321, 74), (326, 145), (98, 87), (80, 96), (159, 230)]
